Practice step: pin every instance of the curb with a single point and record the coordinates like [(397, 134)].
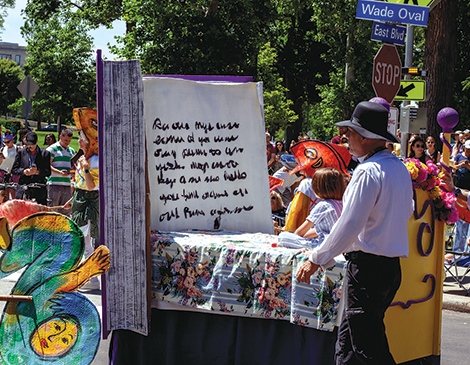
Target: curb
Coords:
[(456, 303)]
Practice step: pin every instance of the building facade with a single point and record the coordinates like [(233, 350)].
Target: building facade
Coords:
[(13, 51)]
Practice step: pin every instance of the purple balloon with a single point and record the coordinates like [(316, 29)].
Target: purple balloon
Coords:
[(381, 101), (447, 119)]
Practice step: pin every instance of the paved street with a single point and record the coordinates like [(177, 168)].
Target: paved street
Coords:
[(455, 326)]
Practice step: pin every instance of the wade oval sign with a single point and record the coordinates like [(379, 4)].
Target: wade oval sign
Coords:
[(386, 76)]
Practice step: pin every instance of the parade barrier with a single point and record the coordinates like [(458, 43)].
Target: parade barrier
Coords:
[(182, 145)]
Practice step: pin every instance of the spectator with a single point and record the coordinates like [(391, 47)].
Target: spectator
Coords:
[(431, 150), (1, 136), (49, 139), (7, 153), (337, 139), (59, 190), (462, 167), (270, 154), (7, 158), (85, 202), (280, 150), (22, 134), (33, 165), (14, 129), (290, 182), (417, 150)]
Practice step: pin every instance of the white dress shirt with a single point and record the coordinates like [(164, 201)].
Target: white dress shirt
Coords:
[(376, 207)]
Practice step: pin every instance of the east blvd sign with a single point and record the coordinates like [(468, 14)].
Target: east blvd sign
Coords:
[(386, 75)]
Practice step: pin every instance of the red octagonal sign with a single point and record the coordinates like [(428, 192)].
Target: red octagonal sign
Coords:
[(387, 72)]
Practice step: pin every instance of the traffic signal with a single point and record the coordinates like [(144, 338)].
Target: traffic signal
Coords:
[(413, 71)]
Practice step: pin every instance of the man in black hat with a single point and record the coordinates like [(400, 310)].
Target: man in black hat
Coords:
[(33, 165), (372, 235)]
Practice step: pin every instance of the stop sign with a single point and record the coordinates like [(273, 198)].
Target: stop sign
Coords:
[(387, 72)]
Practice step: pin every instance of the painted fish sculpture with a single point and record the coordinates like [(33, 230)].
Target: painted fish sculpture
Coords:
[(60, 325)]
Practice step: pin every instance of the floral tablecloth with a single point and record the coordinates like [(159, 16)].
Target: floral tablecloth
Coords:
[(242, 274)]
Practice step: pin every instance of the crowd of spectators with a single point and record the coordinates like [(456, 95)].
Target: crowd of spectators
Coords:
[(54, 175)]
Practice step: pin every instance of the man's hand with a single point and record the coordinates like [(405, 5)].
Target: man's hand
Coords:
[(307, 269)]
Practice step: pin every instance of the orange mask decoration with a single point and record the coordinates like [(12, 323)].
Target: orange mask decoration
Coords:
[(313, 155), (86, 120)]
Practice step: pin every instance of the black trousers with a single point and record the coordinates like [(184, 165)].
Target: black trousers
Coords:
[(371, 283)]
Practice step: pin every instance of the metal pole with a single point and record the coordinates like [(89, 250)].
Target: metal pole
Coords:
[(408, 63), (27, 99)]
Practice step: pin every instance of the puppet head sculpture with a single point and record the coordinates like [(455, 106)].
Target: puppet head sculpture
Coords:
[(312, 155), (86, 122)]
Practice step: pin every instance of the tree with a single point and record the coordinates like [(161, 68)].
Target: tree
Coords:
[(10, 77), (350, 52), (4, 4), (93, 12), (441, 39), (197, 37), (60, 61), (278, 114), (301, 60)]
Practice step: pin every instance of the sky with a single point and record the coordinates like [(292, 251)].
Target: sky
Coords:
[(102, 36)]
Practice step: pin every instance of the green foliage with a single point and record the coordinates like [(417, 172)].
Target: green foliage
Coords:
[(60, 61), (197, 37), (11, 76), (4, 4), (94, 12), (278, 113)]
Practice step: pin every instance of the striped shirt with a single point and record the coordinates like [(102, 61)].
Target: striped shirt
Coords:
[(60, 159)]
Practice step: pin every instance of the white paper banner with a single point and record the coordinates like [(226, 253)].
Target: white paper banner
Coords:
[(207, 157)]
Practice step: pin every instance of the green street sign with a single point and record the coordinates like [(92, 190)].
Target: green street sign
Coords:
[(411, 90), (412, 2)]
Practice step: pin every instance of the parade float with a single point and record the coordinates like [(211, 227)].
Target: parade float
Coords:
[(196, 276)]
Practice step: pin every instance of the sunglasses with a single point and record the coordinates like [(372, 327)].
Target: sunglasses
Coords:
[(273, 198), (419, 146), (430, 142)]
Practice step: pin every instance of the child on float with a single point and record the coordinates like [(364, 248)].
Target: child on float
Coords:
[(329, 185)]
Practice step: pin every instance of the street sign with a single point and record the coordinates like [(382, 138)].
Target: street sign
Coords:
[(392, 12), (28, 87), (412, 90), (392, 125), (386, 75), (413, 2), (388, 33)]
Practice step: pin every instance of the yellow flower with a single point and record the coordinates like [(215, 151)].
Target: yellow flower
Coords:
[(435, 193), (413, 170)]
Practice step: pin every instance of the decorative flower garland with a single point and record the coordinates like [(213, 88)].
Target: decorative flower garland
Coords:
[(427, 177)]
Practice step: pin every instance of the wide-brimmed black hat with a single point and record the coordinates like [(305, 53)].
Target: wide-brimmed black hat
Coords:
[(370, 121)]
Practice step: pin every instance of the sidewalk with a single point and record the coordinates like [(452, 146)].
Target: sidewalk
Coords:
[(454, 297)]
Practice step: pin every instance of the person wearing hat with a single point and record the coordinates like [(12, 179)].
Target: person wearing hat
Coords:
[(33, 165), (372, 235)]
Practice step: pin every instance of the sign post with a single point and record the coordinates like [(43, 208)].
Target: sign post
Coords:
[(27, 88), (387, 72)]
